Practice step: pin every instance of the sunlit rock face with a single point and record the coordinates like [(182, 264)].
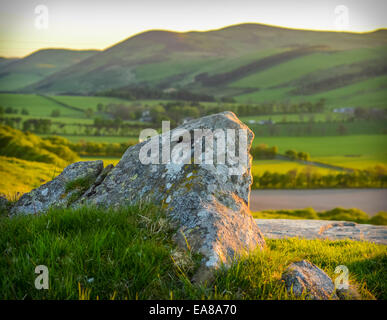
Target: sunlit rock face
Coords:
[(209, 202)]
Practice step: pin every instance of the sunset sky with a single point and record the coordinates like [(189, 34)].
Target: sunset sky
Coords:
[(98, 24)]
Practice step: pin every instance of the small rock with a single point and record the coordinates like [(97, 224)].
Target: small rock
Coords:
[(303, 277), (53, 193), (351, 293)]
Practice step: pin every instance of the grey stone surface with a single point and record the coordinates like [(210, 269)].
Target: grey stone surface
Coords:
[(303, 277), (53, 193), (209, 205), (208, 202), (352, 293), (322, 229)]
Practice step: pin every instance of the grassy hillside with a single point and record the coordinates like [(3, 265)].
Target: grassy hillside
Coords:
[(27, 146), (129, 254), (36, 66), (5, 61), (20, 176), (250, 62)]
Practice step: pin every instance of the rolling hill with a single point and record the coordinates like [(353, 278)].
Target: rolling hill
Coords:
[(250, 62), (18, 73)]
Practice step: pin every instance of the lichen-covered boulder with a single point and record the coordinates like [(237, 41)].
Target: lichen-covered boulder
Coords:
[(209, 202), (61, 191), (303, 277)]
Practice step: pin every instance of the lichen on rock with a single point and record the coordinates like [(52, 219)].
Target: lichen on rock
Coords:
[(208, 202), (58, 192)]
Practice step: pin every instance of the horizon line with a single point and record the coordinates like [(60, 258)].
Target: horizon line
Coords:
[(198, 31)]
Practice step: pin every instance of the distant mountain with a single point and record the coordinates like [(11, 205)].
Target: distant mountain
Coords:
[(250, 62), (5, 61), (18, 73)]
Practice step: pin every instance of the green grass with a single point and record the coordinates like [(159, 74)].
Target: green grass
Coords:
[(338, 214), (108, 139), (128, 254), (88, 102), (296, 68), (370, 146), (321, 117), (37, 106), (17, 80), (38, 65)]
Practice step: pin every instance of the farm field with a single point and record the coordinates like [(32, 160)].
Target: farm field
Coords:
[(108, 139), (320, 117), (36, 105), (39, 106), (358, 151), (367, 147), (282, 166)]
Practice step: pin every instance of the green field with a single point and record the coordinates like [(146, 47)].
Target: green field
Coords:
[(84, 102), (353, 150), (129, 254), (283, 166), (108, 139), (297, 68), (362, 148), (36, 105)]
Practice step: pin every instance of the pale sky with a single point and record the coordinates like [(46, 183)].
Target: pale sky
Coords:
[(97, 24)]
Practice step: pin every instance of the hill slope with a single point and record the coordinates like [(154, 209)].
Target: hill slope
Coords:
[(249, 61), (18, 73)]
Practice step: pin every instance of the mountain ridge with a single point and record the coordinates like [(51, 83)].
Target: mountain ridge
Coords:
[(166, 59)]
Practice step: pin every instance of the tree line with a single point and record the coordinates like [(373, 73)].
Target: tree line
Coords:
[(309, 179)]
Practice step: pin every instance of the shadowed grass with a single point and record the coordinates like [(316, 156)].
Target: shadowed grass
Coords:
[(129, 254)]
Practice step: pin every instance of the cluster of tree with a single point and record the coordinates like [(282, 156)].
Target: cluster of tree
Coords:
[(137, 93), (262, 151), (37, 125), (293, 179), (103, 149), (268, 108), (369, 114), (294, 155), (10, 110), (175, 112), (88, 148), (100, 127)]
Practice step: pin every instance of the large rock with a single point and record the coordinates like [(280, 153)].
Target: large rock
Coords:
[(208, 202), (303, 277), (60, 192)]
